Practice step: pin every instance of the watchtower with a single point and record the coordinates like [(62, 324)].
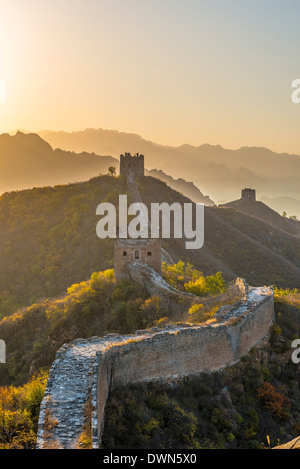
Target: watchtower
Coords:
[(142, 251), (249, 194), (145, 251), (134, 164)]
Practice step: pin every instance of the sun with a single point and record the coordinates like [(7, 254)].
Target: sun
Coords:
[(2, 92)]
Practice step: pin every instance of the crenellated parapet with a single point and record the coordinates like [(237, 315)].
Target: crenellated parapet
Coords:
[(132, 163)]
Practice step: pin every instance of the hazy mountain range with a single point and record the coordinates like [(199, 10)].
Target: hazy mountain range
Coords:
[(61, 157), (26, 160), (283, 204), (184, 187), (218, 172)]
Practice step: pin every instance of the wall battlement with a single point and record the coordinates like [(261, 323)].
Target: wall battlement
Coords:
[(90, 368), (249, 194), (132, 163), (127, 251)]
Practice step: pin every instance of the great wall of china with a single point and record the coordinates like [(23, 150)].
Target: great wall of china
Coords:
[(84, 372), (89, 369)]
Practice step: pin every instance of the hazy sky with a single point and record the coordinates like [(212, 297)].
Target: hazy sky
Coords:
[(173, 71)]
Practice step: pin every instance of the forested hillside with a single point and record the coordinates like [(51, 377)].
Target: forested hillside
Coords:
[(240, 407), (95, 307), (48, 240)]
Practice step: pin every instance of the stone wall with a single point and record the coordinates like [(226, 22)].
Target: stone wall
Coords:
[(143, 251), (91, 368), (128, 250)]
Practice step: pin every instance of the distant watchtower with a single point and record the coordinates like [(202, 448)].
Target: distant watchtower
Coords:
[(145, 251), (249, 194), (134, 164)]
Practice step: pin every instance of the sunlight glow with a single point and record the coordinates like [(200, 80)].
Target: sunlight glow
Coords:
[(2, 92), (203, 77)]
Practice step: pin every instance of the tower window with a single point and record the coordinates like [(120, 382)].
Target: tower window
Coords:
[(124, 253), (137, 254), (149, 253)]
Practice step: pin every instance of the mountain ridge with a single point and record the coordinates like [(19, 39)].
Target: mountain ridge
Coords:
[(27, 160), (28, 151), (274, 174)]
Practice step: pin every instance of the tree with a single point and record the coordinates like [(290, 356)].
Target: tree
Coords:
[(112, 170), (205, 286), (273, 400)]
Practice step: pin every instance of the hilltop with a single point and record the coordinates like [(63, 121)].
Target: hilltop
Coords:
[(48, 240), (263, 212), (236, 243)]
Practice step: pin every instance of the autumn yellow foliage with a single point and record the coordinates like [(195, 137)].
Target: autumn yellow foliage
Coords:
[(19, 411)]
